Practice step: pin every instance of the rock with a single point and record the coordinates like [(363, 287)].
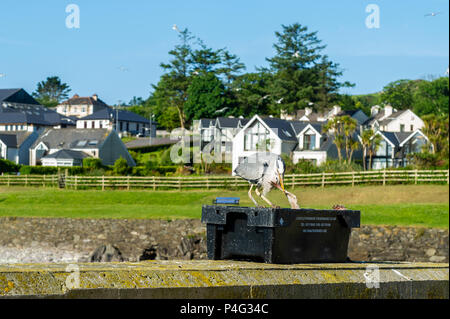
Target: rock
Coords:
[(437, 259), (430, 252), (106, 253)]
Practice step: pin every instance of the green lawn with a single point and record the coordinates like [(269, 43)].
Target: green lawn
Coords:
[(420, 205)]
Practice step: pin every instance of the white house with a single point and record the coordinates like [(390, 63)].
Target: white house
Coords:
[(389, 119), (298, 139), (97, 143), (14, 146), (20, 112), (79, 107), (124, 122), (395, 147), (263, 134)]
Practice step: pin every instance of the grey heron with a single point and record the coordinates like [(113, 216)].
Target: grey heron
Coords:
[(265, 171)]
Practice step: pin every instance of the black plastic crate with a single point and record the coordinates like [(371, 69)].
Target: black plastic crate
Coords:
[(278, 235)]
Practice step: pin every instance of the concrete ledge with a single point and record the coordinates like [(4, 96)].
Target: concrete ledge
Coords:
[(222, 279)]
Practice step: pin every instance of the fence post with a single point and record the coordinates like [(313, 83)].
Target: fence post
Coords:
[(384, 177), (128, 183), (415, 176), (8, 180), (207, 182), (179, 183), (293, 182), (353, 179), (323, 179), (154, 183), (26, 180), (103, 182), (76, 181), (447, 177)]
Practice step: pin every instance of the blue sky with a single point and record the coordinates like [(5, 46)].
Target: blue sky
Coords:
[(136, 34)]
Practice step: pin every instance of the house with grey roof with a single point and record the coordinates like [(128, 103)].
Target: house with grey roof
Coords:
[(388, 119), (64, 158), (81, 106), (395, 148), (19, 111), (76, 143), (14, 146), (124, 122), (298, 139)]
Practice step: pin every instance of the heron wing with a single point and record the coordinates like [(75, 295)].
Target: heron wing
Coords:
[(252, 171)]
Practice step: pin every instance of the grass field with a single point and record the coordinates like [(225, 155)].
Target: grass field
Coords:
[(420, 205)]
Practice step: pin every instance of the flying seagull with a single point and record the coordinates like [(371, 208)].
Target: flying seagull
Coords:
[(265, 97), (280, 100), (265, 171), (432, 14), (296, 54), (123, 69), (175, 27), (221, 110)]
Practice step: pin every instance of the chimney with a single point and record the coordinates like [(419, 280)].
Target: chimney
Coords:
[(387, 110), (95, 97), (308, 111), (75, 96), (374, 110), (336, 109)]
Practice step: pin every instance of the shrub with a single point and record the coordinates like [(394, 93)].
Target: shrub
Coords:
[(6, 166), (332, 166), (121, 167), (94, 163)]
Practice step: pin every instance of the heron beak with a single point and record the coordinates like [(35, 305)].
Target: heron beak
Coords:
[(281, 180)]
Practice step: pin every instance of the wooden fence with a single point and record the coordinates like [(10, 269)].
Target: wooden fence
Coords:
[(208, 182)]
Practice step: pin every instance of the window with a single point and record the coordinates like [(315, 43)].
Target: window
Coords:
[(412, 128), (309, 142), (402, 127), (256, 137), (85, 124), (121, 126), (81, 143)]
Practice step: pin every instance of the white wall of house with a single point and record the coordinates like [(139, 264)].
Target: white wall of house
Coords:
[(3, 150), (81, 124), (313, 135), (241, 150), (61, 162), (17, 127), (406, 122), (318, 157)]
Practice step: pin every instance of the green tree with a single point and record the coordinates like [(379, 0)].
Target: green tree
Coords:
[(206, 95), (51, 91), (437, 130), (342, 128), (302, 75), (366, 142), (399, 94), (431, 97)]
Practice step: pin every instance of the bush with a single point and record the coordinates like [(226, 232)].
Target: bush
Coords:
[(38, 170), (332, 166), (94, 163), (6, 166), (427, 160), (121, 167)]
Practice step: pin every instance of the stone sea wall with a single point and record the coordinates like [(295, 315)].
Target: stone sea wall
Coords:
[(25, 240)]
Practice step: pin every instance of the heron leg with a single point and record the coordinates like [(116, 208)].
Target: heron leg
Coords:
[(263, 197), (251, 197)]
